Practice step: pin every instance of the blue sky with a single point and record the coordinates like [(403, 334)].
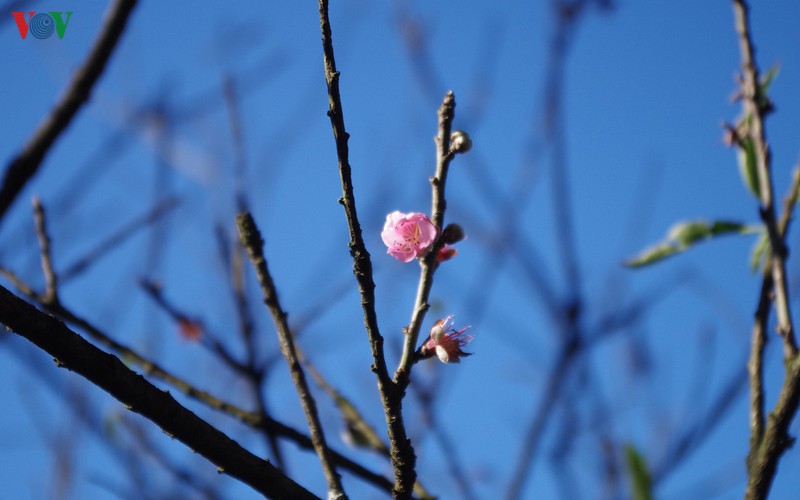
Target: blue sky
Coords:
[(647, 86)]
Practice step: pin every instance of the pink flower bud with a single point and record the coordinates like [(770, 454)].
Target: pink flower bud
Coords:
[(408, 235), (446, 253)]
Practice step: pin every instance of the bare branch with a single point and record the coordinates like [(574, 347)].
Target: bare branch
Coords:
[(257, 420), (51, 280), (71, 351), (402, 452), (252, 241)]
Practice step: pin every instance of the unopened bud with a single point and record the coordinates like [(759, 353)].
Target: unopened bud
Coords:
[(453, 233), (460, 142)]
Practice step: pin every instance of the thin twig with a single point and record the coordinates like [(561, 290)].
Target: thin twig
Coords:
[(556, 381), (252, 241), (237, 136), (427, 397), (50, 277), (402, 452), (255, 369), (24, 166), (154, 291), (159, 210), (107, 372), (429, 264)]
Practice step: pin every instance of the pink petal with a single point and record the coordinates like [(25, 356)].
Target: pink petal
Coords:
[(427, 233), (401, 254)]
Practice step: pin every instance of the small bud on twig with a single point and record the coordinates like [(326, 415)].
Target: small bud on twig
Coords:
[(453, 233), (460, 142)]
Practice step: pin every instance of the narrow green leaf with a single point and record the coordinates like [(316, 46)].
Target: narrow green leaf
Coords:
[(686, 234), (748, 170), (768, 78), (641, 483), (759, 253)]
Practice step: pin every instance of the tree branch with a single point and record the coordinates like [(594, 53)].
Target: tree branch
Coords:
[(402, 452), (252, 241), (71, 351), (754, 109), (429, 264), (769, 438), (254, 420)]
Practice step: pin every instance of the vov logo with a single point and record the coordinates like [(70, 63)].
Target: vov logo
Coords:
[(43, 24)]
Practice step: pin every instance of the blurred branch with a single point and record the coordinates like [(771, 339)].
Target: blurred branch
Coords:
[(107, 372), (567, 14), (253, 242), (402, 452), (25, 165), (161, 209), (427, 399), (182, 474), (231, 98), (532, 438), (692, 436), (153, 290), (51, 280), (362, 433)]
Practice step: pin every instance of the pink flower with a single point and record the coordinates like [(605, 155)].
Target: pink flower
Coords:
[(408, 235), (446, 342)]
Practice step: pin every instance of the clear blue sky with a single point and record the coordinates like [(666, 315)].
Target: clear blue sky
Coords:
[(647, 87)]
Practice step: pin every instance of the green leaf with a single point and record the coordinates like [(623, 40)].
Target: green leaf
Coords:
[(748, 169), (686, 234), (767, 79), (759, 252), (641, 483)]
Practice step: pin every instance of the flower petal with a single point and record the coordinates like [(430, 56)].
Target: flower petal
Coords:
[(442, 354), (401, 254)]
